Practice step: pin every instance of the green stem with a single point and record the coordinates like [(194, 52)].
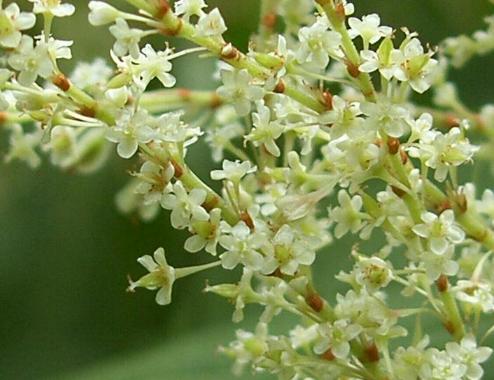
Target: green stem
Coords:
[(177, 27), (337, 21), (452, 314)]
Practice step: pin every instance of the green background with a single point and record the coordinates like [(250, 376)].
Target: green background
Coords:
[(65, 251)]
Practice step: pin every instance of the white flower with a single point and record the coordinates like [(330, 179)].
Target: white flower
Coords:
[(373, 273), (233, 171), (189, 8), (303, 336), (221, 137), (54, 7), (186, 207), (161, 276), (211, 24), (266, 131), (247, 348), (421, 128), (436, 265), (170, 128), (336, 337), (130, 130), (151, 64), (442, 151), (62, 145), (288, 252), (385, 115), (127, 39), (439, 230), (407, 362), (241, 246), (368, 28), (12, 21), (440, 365), (343, 115), (317, 44), (22, 146), (347, 216), (154, 181), (486, 204), (30, 61), (416, 66), (91, 75), (237, 88), (477, 293), (368, 311), (383, 60), (206, 234), (469, 354)]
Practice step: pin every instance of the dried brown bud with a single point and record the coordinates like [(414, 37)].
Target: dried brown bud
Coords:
[(62, 82), (179, 171), (315, 301), (229, 52), (328, 355), (372, 353), (269, 20), (442, 283), (393, 145), (280, 87), (352, 70), (327, 97), (399, 192), (247, 219), (162, 8)]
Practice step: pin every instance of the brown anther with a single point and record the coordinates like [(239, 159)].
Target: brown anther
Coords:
[(461, 202), (450, 327), (162, 8), (280, 87), (340, 10), (399, 192), (229, 52), (184, 93), (87, 111), (328, 355), (315, 302), (378, 143), (452, 121), (404, 157), (327, 98), (277, 273), (269, 20), (173, 31), (372, 353), (352, 69), (211, 203), (393, 145), (62, 82), (3, 117), (216, 101), (444, 205), (179, 171), (247, 219), (442, 283)]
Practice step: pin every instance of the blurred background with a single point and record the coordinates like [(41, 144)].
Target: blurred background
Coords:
[(65, 251)]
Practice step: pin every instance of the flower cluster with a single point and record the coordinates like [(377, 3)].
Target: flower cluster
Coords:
[(311, 150)]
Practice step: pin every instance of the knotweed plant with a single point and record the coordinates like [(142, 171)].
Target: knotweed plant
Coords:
[(320, 132)]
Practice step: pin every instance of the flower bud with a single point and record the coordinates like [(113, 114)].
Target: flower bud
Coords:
[(102, 13)]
